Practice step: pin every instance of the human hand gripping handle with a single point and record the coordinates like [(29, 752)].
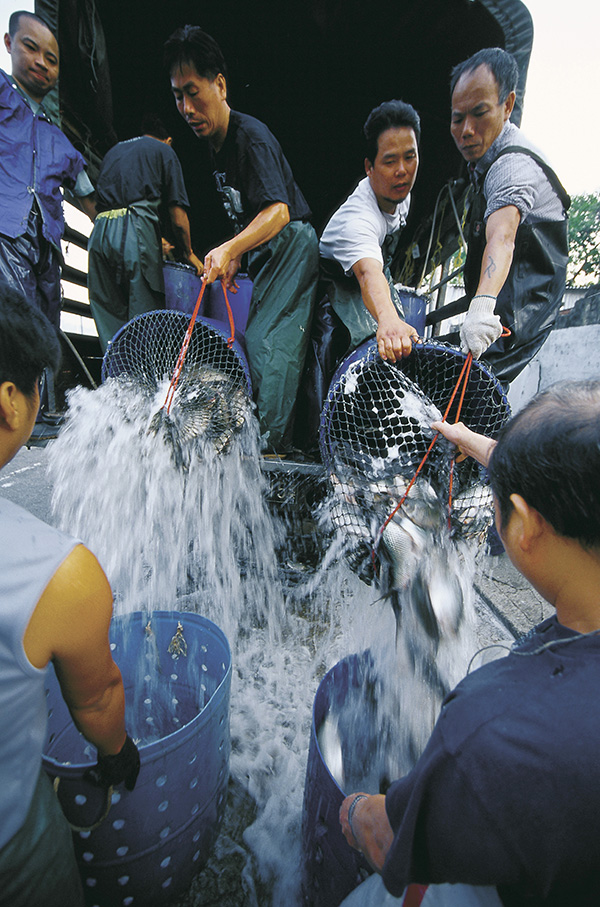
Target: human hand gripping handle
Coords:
[(219, 264), (481, 326), (111, 770), (395, 338), (469, 443)]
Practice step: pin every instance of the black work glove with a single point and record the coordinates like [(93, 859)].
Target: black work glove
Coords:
[(111, 770)]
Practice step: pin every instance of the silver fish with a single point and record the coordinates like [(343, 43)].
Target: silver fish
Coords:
[(436, 596), (473, 510), (209, 407), (330, 744)]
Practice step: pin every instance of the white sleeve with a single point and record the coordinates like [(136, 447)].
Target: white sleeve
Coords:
[(354, 232)]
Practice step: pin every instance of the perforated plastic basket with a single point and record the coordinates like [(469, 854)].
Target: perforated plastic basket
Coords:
[(155, 838)]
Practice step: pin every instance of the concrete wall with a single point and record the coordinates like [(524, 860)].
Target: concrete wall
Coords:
[(569, 354)]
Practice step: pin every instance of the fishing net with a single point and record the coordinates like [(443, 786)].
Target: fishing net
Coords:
[(375, 430), (214, 391)]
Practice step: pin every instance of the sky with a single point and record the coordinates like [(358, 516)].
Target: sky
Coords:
[(559, 112)]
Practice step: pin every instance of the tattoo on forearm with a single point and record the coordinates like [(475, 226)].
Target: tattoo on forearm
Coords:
[(491, 267)]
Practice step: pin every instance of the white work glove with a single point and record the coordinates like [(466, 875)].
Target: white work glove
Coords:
[(481, 327)]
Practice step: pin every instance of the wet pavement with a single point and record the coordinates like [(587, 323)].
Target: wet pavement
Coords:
[(510, 597)]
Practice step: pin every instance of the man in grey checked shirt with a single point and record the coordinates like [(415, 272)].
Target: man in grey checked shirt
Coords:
[(517, 256)]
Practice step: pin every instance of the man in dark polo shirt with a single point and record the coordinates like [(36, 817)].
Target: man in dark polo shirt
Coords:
[(269, 220)]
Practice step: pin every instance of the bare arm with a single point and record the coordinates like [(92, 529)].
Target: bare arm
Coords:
[(70, 627), (88, 205), (500, 233), (222, 263), (181, 228), (394, 336), (370, 832), (468, 442)]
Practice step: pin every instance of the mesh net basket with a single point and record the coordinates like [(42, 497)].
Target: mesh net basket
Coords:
[(375, 430), (214, 391)]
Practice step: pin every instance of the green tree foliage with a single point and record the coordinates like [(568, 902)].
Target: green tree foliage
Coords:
[(584, 240)]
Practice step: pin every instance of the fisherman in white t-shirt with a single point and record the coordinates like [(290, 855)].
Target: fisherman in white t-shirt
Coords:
[(363, 233), (358, 299)]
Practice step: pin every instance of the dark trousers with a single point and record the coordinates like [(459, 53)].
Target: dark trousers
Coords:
[(31, 264), (37, 866)]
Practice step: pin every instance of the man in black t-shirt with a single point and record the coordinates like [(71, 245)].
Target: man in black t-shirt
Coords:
[(269, 220), (140, 180)]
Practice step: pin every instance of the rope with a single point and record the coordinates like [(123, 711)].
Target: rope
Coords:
[(230, 316), (186, 342), (463, 374), (183, 351)]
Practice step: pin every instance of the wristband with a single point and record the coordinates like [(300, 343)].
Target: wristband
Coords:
[(356, 800)]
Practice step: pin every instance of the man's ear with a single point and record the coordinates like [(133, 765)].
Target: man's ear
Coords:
[(509, 104), (368, 166), (9, 404), (221, 84), (528, 525)]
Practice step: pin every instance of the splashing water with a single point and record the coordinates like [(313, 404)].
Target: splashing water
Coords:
[(205, 540)]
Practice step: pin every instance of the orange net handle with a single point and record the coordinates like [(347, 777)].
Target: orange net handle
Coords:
[(183, 351), (230, 316)]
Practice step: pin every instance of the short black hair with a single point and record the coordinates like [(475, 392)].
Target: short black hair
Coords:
[(28, 342), (389, 115), (14, 22), (154, 126), (502, 65), (190, 44), (550, 455)]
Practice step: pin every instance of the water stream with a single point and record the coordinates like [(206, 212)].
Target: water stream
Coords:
[(205, 540)]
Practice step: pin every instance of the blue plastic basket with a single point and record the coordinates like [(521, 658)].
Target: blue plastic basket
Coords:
[(155, 838), (415, 308), (182, 286), (331, 868)]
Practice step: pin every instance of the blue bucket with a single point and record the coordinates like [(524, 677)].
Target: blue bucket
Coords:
[(155, 839), (182, 286), (331, 868), (415, 308), (239, 303)]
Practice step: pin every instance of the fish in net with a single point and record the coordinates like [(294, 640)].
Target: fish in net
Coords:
[(375, 431), (212, 399)]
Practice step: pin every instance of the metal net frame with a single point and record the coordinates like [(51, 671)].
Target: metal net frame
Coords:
[(372, 440), (214, 392)]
